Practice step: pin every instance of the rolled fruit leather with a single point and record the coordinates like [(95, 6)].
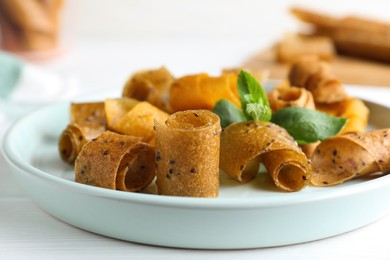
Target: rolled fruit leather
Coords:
[(187, 154), (150, 85), (314, 75), (244, 145), (87, 120), (116, 161), (349, 156)]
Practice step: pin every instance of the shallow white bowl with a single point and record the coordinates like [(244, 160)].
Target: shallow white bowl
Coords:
[(243, 216)]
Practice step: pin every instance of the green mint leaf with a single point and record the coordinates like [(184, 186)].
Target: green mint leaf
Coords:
[(253, 98), (228, 113), (253, 111), (306, 125), (258, 112), (246, 89)]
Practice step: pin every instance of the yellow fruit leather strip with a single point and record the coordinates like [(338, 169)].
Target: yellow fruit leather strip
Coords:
[(187, 154), (116, 108), (344, 157), (87, 120), (244, 145), (202, 91), (139, 121), (116, 161)]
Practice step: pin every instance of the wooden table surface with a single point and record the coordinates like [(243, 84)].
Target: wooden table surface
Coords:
[(348, 69)]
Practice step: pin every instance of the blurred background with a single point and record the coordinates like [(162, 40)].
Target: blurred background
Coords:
[(249, 19), (106, 41)]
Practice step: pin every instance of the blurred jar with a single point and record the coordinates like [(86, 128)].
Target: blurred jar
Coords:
[(34, 29)]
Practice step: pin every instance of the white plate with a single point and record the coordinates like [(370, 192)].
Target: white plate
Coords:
[(243, 216)]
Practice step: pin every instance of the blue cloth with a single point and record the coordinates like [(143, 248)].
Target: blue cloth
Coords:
[(10, 70)]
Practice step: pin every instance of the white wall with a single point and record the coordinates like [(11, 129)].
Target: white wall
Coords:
[(206, 18)]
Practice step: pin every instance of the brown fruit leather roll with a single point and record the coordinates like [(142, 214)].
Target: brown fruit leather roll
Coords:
[(187, 154), (116, 161), (348, 156), (151, 86), (290, 97), (87, 121), (244, 145), (314, 75)]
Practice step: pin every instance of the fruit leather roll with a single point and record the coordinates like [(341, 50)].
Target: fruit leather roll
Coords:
[(290, 97), (87, 120), (187, 154), (151, 86), (247, 144), (116, 161), (315, 76), (348, 156), (201, 91)]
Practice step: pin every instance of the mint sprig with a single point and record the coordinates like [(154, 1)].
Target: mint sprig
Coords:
[(304, 125), (253, 98), (228, 113)]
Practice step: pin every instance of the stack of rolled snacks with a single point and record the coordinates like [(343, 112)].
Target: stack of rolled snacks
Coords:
[(244, 145), (131, 117), (87, 120), (187, 154), (202, 91), (294, 47), (348, 156), (116, 161), (314, 75), (287, 96), (151, 86), (351, 35), (29, 25)]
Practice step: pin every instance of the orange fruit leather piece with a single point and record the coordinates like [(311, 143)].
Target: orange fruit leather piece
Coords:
[(202, 91)]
